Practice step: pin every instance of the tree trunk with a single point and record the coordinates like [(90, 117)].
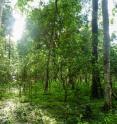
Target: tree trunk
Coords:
[(108, 89), (96, 90), (47, 73), (1, 11), (9, 49), (51, 46), (71, 81)]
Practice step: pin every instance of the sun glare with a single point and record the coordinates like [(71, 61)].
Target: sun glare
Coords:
[(19, 25)]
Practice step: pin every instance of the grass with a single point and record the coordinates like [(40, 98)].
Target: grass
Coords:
[(71, 112), (74, 111)]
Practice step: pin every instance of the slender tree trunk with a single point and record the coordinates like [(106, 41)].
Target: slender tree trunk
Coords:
[(71, 81), (51, 46), (9, 49), (47, 72), (96, 90), (63, 80), (86, 78), (1, 11), (108, 89)]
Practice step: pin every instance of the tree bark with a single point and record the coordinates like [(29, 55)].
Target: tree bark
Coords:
[(47, 72), (1, 11), (51, 46), (108, 89), (96, 90)]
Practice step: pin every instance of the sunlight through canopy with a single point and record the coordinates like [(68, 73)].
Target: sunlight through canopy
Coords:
[(19, 25)]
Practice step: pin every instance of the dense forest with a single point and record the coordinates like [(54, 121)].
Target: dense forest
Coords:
[(58, 62)]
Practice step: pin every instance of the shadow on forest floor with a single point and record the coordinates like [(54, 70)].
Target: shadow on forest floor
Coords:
[(12, 111), (51, 109)]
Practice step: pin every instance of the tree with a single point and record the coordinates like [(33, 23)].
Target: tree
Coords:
[(1, 10), (96, 91), (108, 88)]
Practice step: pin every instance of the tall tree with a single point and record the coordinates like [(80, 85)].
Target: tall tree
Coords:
[(108, 88), (1, 10), (96, 91)]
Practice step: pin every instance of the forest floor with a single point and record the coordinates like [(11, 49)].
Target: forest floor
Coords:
[(51, 109), (13, 111)]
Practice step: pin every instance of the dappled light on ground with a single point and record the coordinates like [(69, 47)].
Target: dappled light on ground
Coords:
[(14, 112), (7, 108), (47, 119)]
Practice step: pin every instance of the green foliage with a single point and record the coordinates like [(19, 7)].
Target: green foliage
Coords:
[(55, 49), (4, 63)]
